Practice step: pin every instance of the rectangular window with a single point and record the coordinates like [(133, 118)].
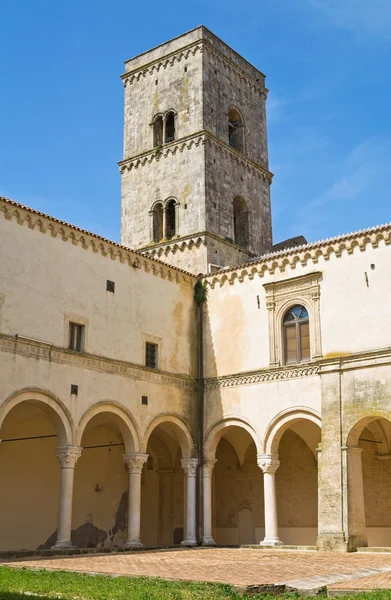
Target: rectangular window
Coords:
[(151, 355), (76, 337)]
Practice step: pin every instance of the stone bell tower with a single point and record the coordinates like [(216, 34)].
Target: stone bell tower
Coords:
[(195, 178)]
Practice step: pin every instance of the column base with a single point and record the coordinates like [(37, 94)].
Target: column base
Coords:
[(271, 542), (130, 544), (189, 542), (332, 542), (208, 541), (63, 546)]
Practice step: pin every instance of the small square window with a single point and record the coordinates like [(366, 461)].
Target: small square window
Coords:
[(110, 286), (185, 69), (76, 337), (151, 355)]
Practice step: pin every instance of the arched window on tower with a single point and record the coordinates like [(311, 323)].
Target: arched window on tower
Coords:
[(170, 127), (157, 217), (296, 335), (158, 131), (170, 219), (241, 227), (235, 130)]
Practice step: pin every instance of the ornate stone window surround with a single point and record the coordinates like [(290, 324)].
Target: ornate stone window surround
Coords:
[(281, 295), (79, 320)]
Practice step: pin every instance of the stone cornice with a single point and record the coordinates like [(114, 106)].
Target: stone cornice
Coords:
[(351, 362), (194, 141), (85, 239), (162, 62), (183, 243), (261, 376), (306, 254), (55, 354)]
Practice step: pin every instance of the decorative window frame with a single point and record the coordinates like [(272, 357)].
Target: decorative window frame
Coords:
[(281, 295), (153, 339), (2, 298), (79, 320)]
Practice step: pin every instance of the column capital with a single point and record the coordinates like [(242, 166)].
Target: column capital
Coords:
[(269, 463), (135, 461), (207, 467), (190, 465), (68, 456)]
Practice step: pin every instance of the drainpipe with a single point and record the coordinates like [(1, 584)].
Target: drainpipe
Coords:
[(199, 298)]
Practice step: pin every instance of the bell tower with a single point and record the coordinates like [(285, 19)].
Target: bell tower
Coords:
[(195, 177)]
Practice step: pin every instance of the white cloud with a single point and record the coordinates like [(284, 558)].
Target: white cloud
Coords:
[(360, 16)]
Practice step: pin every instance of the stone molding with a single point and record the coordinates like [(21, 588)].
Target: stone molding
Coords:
[(280, 295), (208, 466), (261, 376), (189, 465), (306, 254), (85, 239), (46, 351), (269, 463), (185, 53), (203, 137), (135, 462), (68, 456)]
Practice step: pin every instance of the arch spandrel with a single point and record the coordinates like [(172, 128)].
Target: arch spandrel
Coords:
[(180, 428), (52, 406), (118, 415)]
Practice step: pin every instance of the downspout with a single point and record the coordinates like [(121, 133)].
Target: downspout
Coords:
[(199, 298)]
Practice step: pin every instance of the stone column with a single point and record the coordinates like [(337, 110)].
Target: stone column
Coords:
[(269, 464), (151, 232), (164, 223), (207, 469), (68, 457), (353, 490), (134, 462), (190, 467)]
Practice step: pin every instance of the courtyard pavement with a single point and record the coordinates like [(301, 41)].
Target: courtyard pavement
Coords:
[(243, 567)]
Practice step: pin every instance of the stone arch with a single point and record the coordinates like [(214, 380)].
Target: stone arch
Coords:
[(157, 221), (157, 125), (182, 431), (171, 207), (118, 415), (52, 406), (216, 432), (353, 436), (283, 421)]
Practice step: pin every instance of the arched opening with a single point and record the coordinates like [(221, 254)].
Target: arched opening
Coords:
[(294, 437), (30, 473), (235, 130), (241, 225), (170, 219), (170, 127), (296, 335), (100, 506), (368, 460), (237, 487), (157, 217), (158, 131), (163, 485)]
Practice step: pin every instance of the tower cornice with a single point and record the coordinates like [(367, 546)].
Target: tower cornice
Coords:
[(183, 53), (187, 143)]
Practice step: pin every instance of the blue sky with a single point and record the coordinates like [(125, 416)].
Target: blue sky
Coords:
[(328, 66)]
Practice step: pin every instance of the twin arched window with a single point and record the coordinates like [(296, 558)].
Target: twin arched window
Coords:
[(235, 130), (164, 129), (296, 335), (164, 221)]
